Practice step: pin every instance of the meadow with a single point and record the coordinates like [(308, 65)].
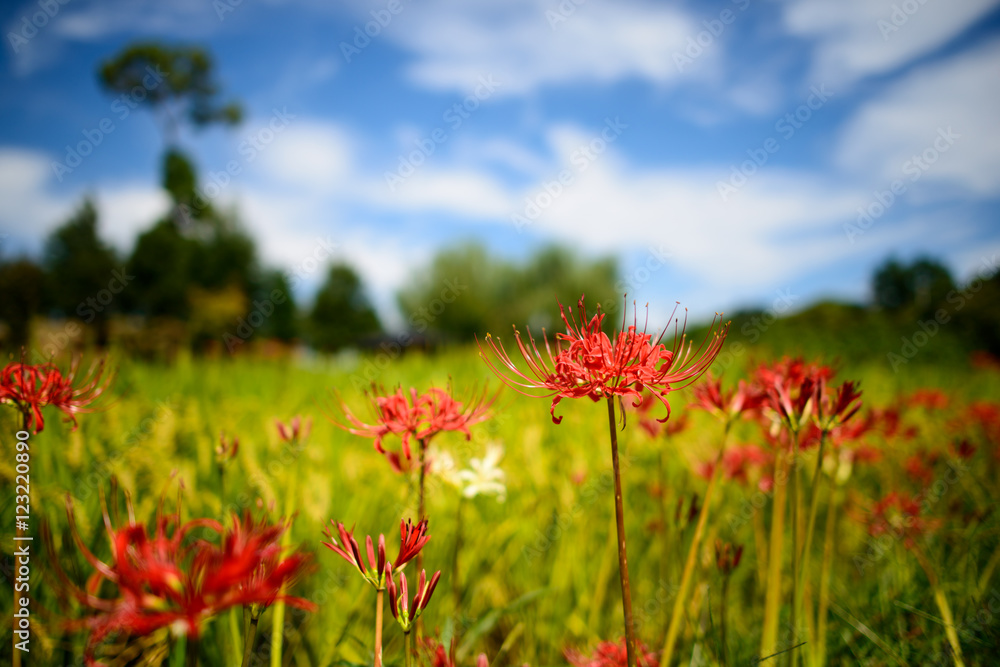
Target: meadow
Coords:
[(531, 576)]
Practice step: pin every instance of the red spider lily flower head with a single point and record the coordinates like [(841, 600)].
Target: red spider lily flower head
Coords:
[(738, 463), (482, 660), (416, 416), (29, 388), (833, 410), (226, 450), (73, 395), (611, 654), (889, 422), (920, 467), (404, 610), (163, 579), (986, 416), (583, 362), (376, 570), (928, 399), (412, 539), (898, 516), (727, 556), (294, 430), (963, 449), (791, 386), (436, 653), (727, 406)]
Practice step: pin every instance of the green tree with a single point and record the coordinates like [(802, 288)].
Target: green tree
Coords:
[(176, 82), (342, 314), (160, 269), (913, 289), (465, 292), (22, 286), (84, 277), (283, 323)]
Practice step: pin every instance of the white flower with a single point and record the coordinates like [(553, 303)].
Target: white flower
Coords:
[(483, 476)]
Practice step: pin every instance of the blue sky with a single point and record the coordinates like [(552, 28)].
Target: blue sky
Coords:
[(722, 149)]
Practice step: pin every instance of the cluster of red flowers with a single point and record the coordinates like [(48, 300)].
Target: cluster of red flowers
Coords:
[(168, 578), (378, 570), (611, 654), (584, 362), (410, 415), (29, 388), (899, 515)]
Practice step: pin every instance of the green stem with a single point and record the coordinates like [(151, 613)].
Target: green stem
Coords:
[(775, 552), (943, 607), (191, 653), (456, 591), (249, 639), (793, 490), (722, 622), (407, 651), (622, 556), (692, 556), (826, 569), (378, 628)]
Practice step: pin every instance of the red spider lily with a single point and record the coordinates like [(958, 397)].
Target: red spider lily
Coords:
[(920, 467), (889, 421), (727, 406), (963, 449), (31, 387), (835, 410), (899, 516), (791, 386), (226, 450), (294, 430), (437, 654), (403, 609), (584, 362), (727, 556), (166, 580), (929, 399), (419, 416), (28, 389), (738, 462), (73, 397), (611, 654), (987, 417), (376, 571)]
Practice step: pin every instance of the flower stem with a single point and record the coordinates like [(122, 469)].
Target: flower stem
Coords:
[(622, 556), (678, 612), (191, 652), (407, 651), (823, 605), (422, 456), (772, 599), (378, 628), (943, 607), (249, 639), (456, 590), (793, 489), (722, 622)]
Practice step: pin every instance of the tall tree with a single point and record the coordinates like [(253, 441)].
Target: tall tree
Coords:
[(22, 286), (85, 280), (342, 314)]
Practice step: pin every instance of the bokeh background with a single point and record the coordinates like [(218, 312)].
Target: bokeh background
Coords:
[(734, 156)]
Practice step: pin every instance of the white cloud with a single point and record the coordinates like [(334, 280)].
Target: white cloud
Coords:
[(308, 154), (525, 48), (858, 38), (904, 121), (29, 204)]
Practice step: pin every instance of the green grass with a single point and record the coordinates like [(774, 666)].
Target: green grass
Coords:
[(538, 572)]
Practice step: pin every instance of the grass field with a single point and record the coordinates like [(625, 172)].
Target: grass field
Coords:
[(537, 573)]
